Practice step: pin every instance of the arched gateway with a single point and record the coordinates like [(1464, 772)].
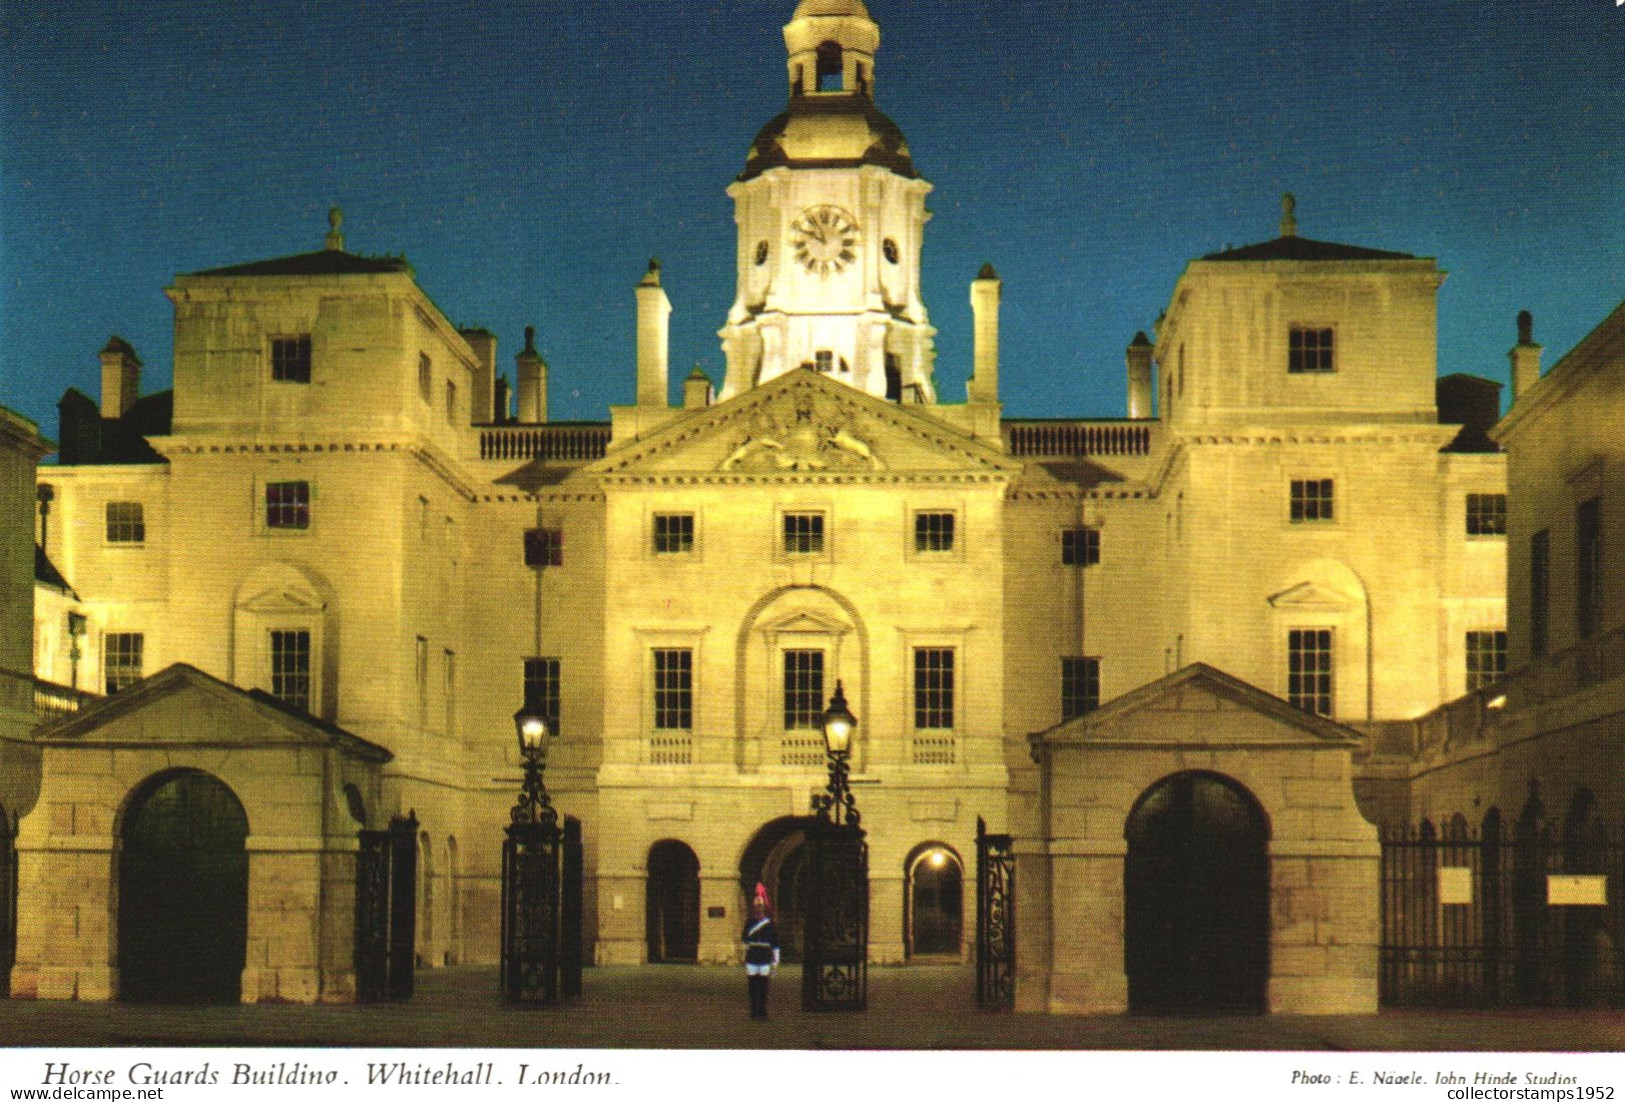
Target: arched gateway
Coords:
[(1196, 888), (775, 858), (183, 891), (673, 903)]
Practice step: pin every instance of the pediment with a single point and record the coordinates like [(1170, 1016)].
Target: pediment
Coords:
[(804, 622), (1310, 596), (804, 424), (281, 600), (181, 706), (1199, 707)]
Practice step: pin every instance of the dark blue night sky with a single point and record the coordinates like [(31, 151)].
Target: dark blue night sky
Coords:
[(528, 158)]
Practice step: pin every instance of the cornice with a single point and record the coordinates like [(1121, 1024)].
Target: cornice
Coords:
[(799, 478), (1074, 493), (430, 457)]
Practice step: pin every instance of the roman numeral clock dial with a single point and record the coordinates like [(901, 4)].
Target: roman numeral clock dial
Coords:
[(824, 239)]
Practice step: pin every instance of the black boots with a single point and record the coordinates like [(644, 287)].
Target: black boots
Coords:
[(758, 996)]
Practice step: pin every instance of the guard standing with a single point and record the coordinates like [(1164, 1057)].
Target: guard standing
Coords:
[(761, 940)]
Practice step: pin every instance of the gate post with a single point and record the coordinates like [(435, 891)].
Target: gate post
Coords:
[(386, 911), (403, 904), (995, 920)]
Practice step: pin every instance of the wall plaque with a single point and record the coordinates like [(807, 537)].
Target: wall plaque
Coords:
[(1455, 884), (1576, 891), (716, 912)]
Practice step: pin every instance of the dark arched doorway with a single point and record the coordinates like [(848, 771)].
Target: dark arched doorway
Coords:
[(1196, 898), (183, 892), (673, 903), (8, 902), (934, 904), (775, 857)]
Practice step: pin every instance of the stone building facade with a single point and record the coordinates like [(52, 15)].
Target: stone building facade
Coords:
[(337, 542)]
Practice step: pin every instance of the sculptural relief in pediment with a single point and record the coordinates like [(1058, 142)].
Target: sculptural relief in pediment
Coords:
[(808, 434)]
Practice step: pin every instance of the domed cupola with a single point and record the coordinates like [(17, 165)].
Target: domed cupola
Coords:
[(831, 214)]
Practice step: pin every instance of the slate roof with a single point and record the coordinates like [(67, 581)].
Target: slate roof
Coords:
[(322, 262), (1304, 248)]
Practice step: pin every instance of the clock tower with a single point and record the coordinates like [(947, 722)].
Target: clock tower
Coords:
[(831, 214)]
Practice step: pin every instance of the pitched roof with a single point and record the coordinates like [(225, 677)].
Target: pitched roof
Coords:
[(1305, 248), (322, 262)]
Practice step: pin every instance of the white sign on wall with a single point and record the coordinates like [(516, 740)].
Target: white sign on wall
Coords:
[(1576, 891), (1455, 884)]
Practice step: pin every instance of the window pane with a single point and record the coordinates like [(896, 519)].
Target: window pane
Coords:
[(1486, 658), (933, 531), (1311, 500), (544, 547), (125, 522), (1080, 546), (1309, 669), (287, 505), (290, 359), (290, 668), (1309, 351), (674, 533), (121, 659), (803, 689), (1486, 514), (934, 688), (1080, 686), (674, 690), (804, 533), (542, 689)]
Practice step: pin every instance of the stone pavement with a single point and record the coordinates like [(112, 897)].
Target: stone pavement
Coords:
[(685, 1007)]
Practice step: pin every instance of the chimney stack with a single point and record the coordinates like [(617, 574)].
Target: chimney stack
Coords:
[(1138, 358), (697, 392), (984, 305), (654, 315), (1525, 356), (121, 378), (484, 345), (531, 372)]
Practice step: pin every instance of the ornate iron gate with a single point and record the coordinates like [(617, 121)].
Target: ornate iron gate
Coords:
[(1472, 916), (835, 970), (995, 920), (542, 911), (386, 911), (570, 951)]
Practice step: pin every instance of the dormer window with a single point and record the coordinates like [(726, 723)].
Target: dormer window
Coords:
[(830, 68)]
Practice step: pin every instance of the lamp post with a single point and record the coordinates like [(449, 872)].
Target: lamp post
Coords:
[(835, 975), (532, 875)]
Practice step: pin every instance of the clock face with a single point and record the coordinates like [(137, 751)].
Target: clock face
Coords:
[(824, 239)]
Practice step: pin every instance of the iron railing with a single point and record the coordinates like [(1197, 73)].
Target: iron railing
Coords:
[(1521, 913)]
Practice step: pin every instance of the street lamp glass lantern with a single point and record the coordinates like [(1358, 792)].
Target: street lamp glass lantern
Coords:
[(839, 723), (532, 728)]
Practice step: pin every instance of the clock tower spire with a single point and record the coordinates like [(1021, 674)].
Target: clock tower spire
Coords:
[(831, 214)]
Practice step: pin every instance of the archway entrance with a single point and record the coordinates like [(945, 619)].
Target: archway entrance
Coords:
[(673, 906), (8, 902), (776, 857), (935, 902), (183, 892), (1196, 898)]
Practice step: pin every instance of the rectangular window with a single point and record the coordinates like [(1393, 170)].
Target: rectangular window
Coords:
[(803, 690), (933, 688), (824, 360), (1080, 686), (674, 689), (803, 533), (1311, 500), (674, 533), (544, 547), (121, 659), (1486, 658), (290, 668), (425, 376), (1309, 351), (1486, 514), (290, 359), (287, 505), (1309, 669), (933, 532), (1588, 567), (1080, 546), (451, 402), (1540, 567), (126, 522), (542, 689)]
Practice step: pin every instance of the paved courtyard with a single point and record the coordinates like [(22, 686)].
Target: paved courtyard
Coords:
[(684, 1007)]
